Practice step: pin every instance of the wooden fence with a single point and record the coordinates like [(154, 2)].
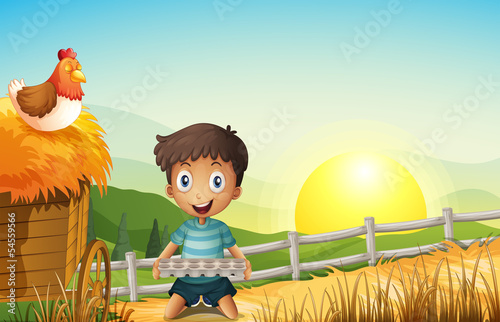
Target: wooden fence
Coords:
[(131, 264)]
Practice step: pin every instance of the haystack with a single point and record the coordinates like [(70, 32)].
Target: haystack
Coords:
[(45, 179)]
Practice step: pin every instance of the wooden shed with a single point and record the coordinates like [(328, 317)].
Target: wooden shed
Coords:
[(45, 179)]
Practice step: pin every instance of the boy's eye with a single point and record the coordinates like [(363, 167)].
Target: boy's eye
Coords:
[(217, 182), (184, 181)]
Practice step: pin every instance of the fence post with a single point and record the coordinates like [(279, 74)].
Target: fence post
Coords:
[(132, 275), (293, 236), (448, 225), (370, 240)]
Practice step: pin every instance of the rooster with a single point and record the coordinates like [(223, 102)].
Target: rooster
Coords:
[(56, 103)]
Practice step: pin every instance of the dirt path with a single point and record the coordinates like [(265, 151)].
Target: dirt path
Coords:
[(151, 309)]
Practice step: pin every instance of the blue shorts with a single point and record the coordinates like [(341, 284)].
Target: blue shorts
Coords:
[(214, 290)]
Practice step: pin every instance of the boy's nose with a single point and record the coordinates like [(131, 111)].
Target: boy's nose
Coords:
[(198, 195)]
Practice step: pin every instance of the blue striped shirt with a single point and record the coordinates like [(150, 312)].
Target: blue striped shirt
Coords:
[(202, 241)]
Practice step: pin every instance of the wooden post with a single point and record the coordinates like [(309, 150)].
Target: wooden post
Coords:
[(132, 275), (293, 236), (448, 226), (370, 240)]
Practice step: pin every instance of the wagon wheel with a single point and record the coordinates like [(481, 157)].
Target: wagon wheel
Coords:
[(89, 287)]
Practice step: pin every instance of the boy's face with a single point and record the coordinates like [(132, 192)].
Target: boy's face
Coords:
[(204, 187)]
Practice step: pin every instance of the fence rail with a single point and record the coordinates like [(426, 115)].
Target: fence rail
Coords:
[(131, 264)]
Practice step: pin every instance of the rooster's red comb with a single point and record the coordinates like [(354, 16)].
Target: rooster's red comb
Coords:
[(66, 53)]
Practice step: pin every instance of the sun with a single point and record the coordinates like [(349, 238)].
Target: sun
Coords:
[(344, 190)]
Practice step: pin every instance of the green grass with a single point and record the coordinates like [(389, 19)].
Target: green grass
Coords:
[(143, 208), (310, 253)]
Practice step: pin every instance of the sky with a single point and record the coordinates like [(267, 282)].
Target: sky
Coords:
[(354, 75)]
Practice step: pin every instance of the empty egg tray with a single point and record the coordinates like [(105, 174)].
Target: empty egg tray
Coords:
[(196, 267)]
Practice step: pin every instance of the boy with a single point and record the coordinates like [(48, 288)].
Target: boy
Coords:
[(204, 164)]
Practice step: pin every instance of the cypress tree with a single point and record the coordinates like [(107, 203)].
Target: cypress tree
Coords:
[(165, 237), (123, 242), (154, 247)]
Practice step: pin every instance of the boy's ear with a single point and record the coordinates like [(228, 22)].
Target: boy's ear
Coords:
[(169, 190), (237, 192)]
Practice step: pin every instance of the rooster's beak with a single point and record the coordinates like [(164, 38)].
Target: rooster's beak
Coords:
[(77, 76)]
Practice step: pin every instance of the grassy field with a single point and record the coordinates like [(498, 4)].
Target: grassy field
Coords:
[(309, 253), (448, 286), (143, 208)]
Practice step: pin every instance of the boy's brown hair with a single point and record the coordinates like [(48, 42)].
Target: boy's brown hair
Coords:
[(198, 140)]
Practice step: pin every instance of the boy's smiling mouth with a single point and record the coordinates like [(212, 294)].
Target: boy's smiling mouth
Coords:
[(203, 208)]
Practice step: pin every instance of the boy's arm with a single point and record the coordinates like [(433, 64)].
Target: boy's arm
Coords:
[(167, 253), (169, 250), (237, 253)]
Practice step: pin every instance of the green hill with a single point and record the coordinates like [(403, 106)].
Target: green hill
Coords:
[(124, 141), (142, 208), (472, 200), (484, 176)]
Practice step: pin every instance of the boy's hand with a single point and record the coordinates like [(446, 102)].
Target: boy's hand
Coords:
[(237, 253), (248, 271), (167, 253), (156, 271)]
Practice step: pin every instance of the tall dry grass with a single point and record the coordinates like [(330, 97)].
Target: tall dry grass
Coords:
[(439, 287), (64, 310)]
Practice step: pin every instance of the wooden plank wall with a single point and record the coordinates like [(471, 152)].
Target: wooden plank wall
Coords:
[(50, 239)]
